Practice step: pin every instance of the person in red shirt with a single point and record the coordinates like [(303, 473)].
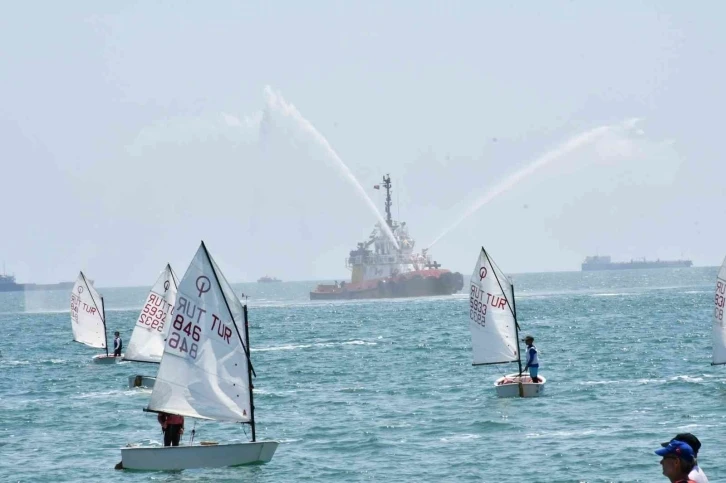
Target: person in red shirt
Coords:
[(173, 427)]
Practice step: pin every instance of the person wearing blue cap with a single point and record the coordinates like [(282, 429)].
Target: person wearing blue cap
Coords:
[(691, 440), (678, 460)]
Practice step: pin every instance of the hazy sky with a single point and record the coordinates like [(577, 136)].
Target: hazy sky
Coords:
[(130, 131)]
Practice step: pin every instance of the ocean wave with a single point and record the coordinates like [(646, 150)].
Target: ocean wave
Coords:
[(622, 381), (687, 379), (107, 394), (459, 438), (290, 347), (565, 434), (14, 363)]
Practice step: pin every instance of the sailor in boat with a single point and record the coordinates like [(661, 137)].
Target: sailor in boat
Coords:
[(678, 461), (696, 473), (532, 358), (118, 344), (172, 426)]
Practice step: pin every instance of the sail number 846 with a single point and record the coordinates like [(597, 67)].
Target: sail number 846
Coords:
[(177, 339)]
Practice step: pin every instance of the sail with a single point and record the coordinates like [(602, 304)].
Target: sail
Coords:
[(491, 316), (719, 331), (87, 317), (147, 339), (204, 369)]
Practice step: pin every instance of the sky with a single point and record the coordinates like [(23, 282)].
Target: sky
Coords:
[(130, 131)]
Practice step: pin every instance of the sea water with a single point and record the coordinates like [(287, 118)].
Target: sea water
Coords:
[(384, 390)]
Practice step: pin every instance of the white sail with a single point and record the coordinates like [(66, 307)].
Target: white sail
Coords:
[(204, 370), (152, 325), (719, 331), (87, 317), (491, 316)]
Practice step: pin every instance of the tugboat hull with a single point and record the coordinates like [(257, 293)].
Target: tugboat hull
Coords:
[(420, 283)]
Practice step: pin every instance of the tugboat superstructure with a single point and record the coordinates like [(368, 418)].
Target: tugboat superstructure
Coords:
[(382, 268)]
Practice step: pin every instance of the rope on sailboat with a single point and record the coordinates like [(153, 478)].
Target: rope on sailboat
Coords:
[(194, 431)]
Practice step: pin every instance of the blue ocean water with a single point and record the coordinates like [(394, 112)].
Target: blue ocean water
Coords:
[(385, 390)]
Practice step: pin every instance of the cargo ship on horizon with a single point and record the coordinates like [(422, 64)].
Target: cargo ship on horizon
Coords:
[(8, 284), (604, 262), (380, 269)]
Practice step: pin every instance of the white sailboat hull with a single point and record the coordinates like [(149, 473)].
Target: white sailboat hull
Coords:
[(104, 359), (141, 381), (508, 386), (167, 458)]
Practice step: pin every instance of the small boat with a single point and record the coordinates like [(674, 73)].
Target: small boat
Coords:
[(719, 331), (152, 326), (205, 373), (88, 319), (494, 328), (268, 279)]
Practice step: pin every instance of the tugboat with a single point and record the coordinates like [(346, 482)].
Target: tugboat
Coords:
[(386, 271)]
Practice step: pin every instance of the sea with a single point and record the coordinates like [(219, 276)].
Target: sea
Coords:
[(384, 390)]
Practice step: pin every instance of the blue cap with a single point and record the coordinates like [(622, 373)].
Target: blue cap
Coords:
[(679, 449)]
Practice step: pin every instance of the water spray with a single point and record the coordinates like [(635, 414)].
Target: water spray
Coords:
[(508, 183), (276, 102)]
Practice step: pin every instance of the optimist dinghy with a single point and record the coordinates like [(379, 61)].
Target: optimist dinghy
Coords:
[(494, 328), (88, 319), (205, 373)]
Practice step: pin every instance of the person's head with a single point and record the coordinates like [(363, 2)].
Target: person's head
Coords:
[(116, 334), (529, 340), (678, 459), (687, 438)]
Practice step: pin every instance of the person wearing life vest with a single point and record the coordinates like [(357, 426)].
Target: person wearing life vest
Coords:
[(678, 461), (532, 359), (118, 344), (173, 427)]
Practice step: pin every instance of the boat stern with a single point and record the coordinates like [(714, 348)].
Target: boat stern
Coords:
[(508, 386)]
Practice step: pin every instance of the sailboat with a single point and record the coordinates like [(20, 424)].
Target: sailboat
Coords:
[(205, 373), (719, 331), (88, 318), (147, 339), (494, 327)]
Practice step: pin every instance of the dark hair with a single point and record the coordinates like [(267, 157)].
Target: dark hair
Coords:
[(687, 466)]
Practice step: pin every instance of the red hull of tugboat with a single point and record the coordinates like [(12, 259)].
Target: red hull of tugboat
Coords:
[(419, 283)]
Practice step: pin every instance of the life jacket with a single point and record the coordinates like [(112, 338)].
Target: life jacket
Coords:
[(532, 359), (175, 419)]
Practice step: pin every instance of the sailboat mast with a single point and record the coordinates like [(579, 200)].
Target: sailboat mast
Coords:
[(519, 352), (103, 317), (387, 185), (516, 331), (249, 376)]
